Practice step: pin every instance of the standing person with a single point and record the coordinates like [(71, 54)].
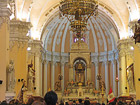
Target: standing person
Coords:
[(86, 102), (80, 102), (51, 98)]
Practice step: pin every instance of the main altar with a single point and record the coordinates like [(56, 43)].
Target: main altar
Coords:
[(80, 84)]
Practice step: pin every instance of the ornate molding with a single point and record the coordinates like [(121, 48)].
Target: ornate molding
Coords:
[(18, 33), (124, 47)]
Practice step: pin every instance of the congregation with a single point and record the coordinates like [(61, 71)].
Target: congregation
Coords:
[(51, 98)]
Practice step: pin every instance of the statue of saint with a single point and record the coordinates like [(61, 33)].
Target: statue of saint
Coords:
[(30, 77), (130, 81), (79, 77), (11, 77)]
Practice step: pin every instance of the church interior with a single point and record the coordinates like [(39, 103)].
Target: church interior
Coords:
[(77, 48)]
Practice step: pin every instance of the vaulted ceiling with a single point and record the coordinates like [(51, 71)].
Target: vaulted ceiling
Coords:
[(114, 15)]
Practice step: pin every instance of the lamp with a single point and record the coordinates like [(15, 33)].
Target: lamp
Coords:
[(78, 12), (137, 32)]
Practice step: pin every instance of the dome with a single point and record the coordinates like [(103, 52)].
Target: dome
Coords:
[(101, 35)]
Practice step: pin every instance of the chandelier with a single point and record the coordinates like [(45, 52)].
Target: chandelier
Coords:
[(78, 12), (137, 32)]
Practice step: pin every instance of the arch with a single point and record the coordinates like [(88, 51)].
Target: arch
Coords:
[(79, 58)]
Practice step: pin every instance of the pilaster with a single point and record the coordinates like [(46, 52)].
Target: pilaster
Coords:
[(106, 77), (63, 74), (137, 69), (36, 52), (53, 74), (4, 44), (125, 47)]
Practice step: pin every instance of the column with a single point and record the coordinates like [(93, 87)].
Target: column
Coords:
[(96, 74), (40, 72), (137, 70), (85, 75), (119, 78), (106, 77), (4, 45), (45, 76), (114, 78), (37, 74), (53, 75), (88, 72), (71, 73), (123, 75), (63, 74)]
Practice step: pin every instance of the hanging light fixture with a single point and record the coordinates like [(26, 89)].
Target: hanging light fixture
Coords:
[(78, 12), (137, 32)]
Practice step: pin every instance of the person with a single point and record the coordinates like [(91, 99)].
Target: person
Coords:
[(66, 103), (138, 102), (38, 103), (51, 98), (80, 101), (30, 101), (86, 102), (74, 102)]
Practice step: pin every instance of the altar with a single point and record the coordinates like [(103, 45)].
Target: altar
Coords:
[(80, 84)]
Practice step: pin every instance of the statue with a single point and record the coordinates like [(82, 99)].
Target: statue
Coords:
[(11, 77), (31, 77), (130, 81)]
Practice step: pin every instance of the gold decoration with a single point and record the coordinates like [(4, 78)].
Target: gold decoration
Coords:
[(78, 12)]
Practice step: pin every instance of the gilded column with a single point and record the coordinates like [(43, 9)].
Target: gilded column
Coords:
[(106, 77)]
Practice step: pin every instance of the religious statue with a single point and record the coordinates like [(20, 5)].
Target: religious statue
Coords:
[(79, 77), (11, 81), (31, 77), (130, 79)]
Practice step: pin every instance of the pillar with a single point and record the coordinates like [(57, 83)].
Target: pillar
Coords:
[(4, 45), (137, 69), (123, 75), (37, 74), (96, 74), (88, 72), (63, 74), (71, 73), (53, 75), (18, 50), (114, 78), (106, 77), (119, 78), (36, 50), (45, 76)]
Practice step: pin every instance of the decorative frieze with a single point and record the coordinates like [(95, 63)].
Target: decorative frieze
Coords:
[(125, 47), (18, 33)]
